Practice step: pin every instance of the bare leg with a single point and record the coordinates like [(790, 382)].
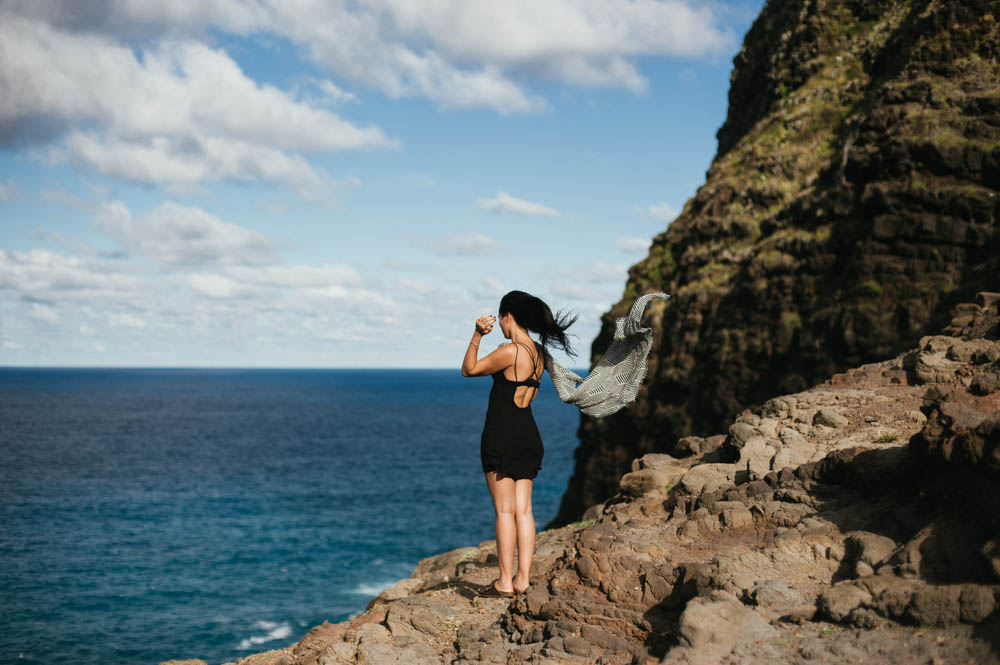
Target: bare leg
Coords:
[(525, 521), (502, 489)]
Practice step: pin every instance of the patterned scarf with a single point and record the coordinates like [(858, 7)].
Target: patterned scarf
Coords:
[(614, 382)]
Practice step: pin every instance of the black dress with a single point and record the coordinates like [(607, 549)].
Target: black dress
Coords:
[(511, 444)]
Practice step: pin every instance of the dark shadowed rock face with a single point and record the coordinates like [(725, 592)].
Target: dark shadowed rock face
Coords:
[(853, 202)]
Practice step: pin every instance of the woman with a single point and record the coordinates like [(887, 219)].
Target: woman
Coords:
[(511, 448)]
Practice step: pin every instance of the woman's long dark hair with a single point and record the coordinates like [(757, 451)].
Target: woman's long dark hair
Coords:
[(533, 314)]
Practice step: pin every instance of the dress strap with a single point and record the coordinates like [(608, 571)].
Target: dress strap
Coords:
[(515, 361), (534, 362)]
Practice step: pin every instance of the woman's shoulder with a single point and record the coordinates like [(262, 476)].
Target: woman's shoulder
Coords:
[(506, 351)]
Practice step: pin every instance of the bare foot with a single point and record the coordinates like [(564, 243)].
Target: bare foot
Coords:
[(520, 588)]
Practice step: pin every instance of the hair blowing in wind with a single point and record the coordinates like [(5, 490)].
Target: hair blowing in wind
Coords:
[(533, 314)]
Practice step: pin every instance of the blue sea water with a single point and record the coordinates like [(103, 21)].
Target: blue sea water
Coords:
[(150, 514)]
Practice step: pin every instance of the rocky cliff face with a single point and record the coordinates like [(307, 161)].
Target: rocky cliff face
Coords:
[(853, 201)]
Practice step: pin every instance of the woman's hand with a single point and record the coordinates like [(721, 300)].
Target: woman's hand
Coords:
[(484, 324)]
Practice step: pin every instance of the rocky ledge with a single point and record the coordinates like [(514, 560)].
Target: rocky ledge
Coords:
[(852, 522)]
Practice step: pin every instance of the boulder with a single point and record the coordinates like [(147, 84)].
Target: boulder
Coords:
[(931, 364), (654, 461), (696, 445), (646, 481), (651, 473), (776, 596), (756, 456), (935, 605), (739, 434), (841, 600), (442, 567), (400, 589), (865, 551), (688, 446), (829, 418), (733, 514), (712, 626), (708, 478)]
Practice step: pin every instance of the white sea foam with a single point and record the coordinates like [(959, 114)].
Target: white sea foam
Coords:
[(275, 631), (372, 589)]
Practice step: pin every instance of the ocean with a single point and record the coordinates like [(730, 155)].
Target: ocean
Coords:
[(151, 514)]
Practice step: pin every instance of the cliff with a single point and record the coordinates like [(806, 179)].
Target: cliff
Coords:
[(855, 521), (853, 201)]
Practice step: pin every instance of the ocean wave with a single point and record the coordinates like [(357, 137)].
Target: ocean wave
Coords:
[(371, 589), (275, 631)]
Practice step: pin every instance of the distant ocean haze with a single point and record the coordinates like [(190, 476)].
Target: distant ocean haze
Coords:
[(152, 514)]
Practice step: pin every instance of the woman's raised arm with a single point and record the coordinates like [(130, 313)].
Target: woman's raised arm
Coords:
[(500, 359)]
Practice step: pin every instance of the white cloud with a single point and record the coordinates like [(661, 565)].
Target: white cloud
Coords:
[(469, 53), (181, 165), (661, 211), (605, 272), (125, 320), (218, 259), (227, 299), (460, 53), (331, 93), (212, 285), (298, 276), (42, 276), (178, 113), (489, 289), (413, 285), (504, 202), (634, 245), (465, 244), (180, 235), (572, 290), (58, 194), (43, 313)]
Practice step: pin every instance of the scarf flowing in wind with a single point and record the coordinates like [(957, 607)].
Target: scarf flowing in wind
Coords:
[(614, 382)]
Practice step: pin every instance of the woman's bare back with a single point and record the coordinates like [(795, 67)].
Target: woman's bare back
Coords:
[(527, 365)]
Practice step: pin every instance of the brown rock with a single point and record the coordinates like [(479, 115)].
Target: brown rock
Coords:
[(866, 551), (646, 481), (442, 568), (735, 515), (576, 645), (829, 418), (977, 603), (840, 601), (400, 589), (711, 626), (991, 551), (756, 456), (935, 605), (708, 477), (688, 446)]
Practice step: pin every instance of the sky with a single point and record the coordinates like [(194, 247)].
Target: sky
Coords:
[(306, 183)]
